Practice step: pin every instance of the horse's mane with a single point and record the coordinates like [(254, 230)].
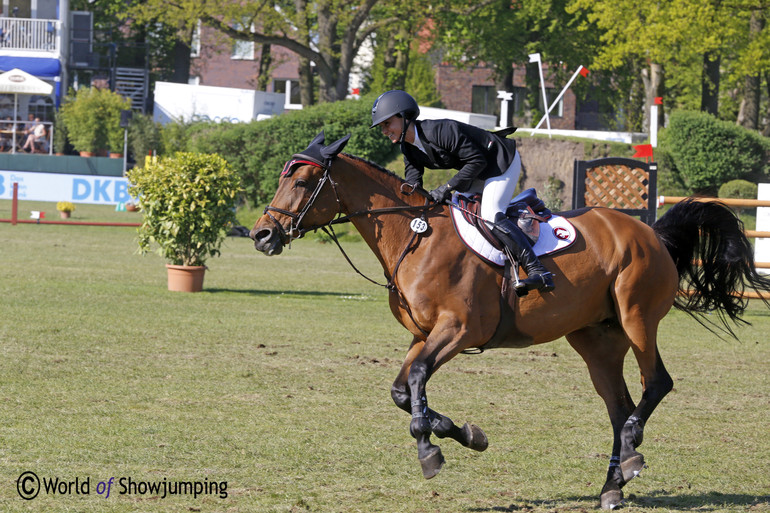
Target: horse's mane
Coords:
[(374, 165)]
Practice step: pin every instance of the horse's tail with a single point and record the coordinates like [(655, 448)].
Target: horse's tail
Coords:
[(714, 259)]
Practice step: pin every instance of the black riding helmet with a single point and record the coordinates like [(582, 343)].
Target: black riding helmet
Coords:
[(391, 103)]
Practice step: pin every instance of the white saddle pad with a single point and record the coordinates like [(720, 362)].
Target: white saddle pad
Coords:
[(557, 234)]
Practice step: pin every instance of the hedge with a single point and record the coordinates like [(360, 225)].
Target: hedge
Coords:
[(701, 152), (258, 150)]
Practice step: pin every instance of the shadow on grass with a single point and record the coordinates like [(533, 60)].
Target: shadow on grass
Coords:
[(298, 293), (710, 501)]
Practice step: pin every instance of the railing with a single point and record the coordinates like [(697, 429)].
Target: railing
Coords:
[(27, 34), (672, 200)]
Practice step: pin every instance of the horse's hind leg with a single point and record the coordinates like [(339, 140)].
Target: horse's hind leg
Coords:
[(442, 426), (604, 348), (640, 308)]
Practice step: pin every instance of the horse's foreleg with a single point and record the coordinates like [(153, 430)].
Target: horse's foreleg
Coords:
[(430, 455), (468, 435), (444, 342)]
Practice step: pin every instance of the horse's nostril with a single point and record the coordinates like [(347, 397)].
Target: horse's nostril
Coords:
[(258, 235)]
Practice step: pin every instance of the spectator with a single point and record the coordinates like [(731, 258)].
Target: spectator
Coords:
[(37, 135)]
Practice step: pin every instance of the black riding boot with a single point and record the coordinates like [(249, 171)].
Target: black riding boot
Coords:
[(538, 277)]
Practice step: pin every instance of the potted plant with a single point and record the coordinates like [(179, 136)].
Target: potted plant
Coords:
[(187, 201), (92, 117), (65, 209)]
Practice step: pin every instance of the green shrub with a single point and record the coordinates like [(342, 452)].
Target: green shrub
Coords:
[(740, 189), (143, 137), (175, 136), (92, 117), (187, 202), (258, 150), (705, 152)]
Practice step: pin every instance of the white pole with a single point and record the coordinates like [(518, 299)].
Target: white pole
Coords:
[(505, 96), (15, 115), (556, 101), (535, 57), (654, 126)]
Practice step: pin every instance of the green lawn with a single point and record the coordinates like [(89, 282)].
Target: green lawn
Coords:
[(276, 380)]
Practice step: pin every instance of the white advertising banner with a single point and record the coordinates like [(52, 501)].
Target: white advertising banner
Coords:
[(762, 245), (105, 190)]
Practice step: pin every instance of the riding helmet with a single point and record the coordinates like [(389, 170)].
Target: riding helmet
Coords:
[(391, 103)]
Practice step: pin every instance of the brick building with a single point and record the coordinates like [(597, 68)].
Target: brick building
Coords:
[(219, 61)]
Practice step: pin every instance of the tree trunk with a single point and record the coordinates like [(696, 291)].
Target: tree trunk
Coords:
[(533, 97), (766, 130), (710, 83), (396, 62), (265, 65), (653, 79), (306, 85), (181, 73), (748, 113)]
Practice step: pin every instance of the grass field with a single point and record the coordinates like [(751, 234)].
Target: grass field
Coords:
[(276, 380)]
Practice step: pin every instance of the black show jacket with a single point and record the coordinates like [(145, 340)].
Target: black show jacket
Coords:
[(476, 153)]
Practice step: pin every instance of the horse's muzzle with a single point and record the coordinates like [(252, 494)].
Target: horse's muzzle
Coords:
[(267, 240)]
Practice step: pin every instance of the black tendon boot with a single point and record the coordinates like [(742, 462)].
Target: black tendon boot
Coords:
[(538, 277)]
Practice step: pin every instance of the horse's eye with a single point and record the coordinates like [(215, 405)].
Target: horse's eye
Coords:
[(300, 183)]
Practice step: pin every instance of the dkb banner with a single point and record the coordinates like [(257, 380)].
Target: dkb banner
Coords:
[(106, 190)]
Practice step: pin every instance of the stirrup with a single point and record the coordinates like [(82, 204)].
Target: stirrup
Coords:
[(542, 282)]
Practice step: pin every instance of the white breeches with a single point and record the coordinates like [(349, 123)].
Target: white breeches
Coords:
[(497, 192)]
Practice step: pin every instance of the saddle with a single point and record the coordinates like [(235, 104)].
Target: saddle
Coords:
[(526, 210)]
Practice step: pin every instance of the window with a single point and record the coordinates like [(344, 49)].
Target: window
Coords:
[(242, 50), (195, 42), (484, 100), (293, 98)]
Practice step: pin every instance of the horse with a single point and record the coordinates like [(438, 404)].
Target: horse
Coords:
[(613, 287)]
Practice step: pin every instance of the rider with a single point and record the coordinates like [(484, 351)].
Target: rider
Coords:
[(486, 162)]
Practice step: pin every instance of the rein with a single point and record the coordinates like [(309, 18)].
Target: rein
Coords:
[(296, 220)]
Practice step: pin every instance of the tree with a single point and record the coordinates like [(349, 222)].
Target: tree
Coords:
[(324, 32), (694, 44), (501, 33)]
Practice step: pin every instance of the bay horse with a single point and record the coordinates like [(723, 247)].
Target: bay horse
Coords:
[(613, 287)]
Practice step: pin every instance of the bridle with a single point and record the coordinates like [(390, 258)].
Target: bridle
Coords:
[(297, 217), (339, 218)]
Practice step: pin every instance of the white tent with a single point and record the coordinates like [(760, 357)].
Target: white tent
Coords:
[(18, 82)]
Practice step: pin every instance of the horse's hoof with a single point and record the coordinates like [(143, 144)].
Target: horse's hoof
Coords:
[(475, 437), (432, 463), (632, 466), (611, 499)]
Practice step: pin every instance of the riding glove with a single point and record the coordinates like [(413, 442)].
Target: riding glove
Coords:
[(441, 194)]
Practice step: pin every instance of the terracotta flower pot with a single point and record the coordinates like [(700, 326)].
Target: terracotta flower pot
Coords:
[(86, 154), (65, 215), (116, 155), (185, 278)]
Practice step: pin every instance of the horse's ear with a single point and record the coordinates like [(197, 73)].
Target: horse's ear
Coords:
[(331, 151), (319, 140)]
